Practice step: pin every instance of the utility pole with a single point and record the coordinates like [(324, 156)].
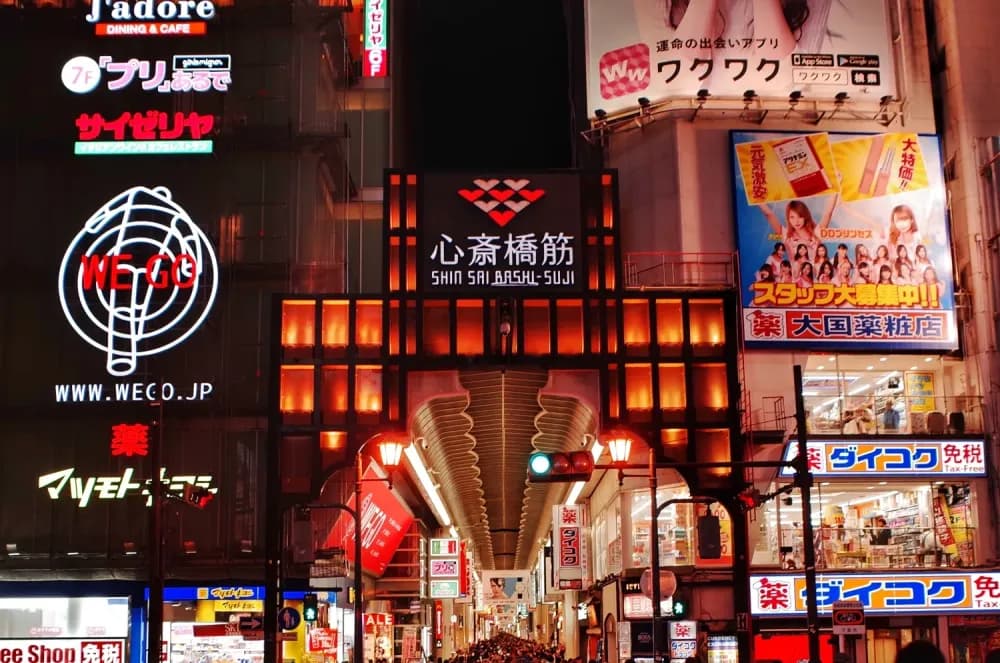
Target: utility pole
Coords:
[(154, 639), (803, 480)]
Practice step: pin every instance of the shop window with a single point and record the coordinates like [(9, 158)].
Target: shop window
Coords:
[(872, 524), (674, 528)]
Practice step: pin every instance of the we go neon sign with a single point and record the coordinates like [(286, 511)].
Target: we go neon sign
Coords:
[(138, 279)]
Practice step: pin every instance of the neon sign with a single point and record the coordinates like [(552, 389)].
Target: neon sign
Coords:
[(138, 279), (150, 17), (376, 63), (117, 487), (153, 132), (190, 73)]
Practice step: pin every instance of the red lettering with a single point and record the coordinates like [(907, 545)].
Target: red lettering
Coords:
[(184, 265), (119, 271), (14, 655), (93, 268), (162, 271)]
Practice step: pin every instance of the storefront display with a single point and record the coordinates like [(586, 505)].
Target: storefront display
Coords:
[(64, 629), (876, 524)]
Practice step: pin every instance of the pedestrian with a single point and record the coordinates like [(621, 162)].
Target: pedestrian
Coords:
[(920, 651)]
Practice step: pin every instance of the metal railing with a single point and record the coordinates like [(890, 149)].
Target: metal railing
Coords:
[(914, 415), (679, 269), (904, 548)]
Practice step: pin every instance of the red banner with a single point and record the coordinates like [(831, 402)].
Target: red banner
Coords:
[(384, 522)]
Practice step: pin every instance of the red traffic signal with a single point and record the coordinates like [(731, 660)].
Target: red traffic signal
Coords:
[(750, 499), (560, 466), (197, 496)]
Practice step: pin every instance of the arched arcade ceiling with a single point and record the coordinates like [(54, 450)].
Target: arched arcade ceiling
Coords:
[(477, 439)]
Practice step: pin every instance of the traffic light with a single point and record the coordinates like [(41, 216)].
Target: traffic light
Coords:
[(310, 607), (560, 466), (680, 606), (750, 498), (709, 537), (197, 496)]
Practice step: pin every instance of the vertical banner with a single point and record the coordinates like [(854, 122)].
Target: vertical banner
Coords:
[(663, 50), (844, 242), (376, 59), (942, 526), (570, 556)]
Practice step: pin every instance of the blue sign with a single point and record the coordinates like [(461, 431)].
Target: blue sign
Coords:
[(289, 619)]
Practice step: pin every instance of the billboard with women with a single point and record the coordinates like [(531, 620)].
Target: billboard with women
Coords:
[(843, 241), (671, 49)]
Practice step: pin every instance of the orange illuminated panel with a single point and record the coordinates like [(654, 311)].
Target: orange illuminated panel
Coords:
[(712, 446), (638, 388), (298, 323), (333, 440), (392, 388), (411, 264), (437, 328), (669, 324), (707, 325), (673, 394), (611, 311), (609, 263), (614, 406), (333, 394), (296, 390), (368, 389), (394, 193), (674, 442), (569, 326), (711, 398), (411, 328), (595, 326), (394, 328), (608, 202), (335, 314), (393, 264), (469, 323), (368, 333), (537, 334), (635, 321), (411, 202), (593, 264)]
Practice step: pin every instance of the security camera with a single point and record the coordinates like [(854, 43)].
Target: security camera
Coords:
[(422, 441)]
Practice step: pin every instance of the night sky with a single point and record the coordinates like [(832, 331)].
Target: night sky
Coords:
[(487, 83)]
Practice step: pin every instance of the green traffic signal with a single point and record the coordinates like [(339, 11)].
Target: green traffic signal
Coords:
[(310, 608), (560, 466)]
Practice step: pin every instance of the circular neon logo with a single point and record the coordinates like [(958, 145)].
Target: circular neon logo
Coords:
[(139, 278)]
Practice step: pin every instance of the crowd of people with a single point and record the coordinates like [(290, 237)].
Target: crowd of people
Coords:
[(507, 648)]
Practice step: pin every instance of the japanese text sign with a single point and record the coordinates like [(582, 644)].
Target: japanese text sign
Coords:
[(384, 522), (493, 233), (844, 241), (661, 51), (376, 58), (190, 73), (571, 546), (880, 594), (891, 457), (62, 649)]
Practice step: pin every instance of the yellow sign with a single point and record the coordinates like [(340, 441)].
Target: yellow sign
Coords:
[(237, 605), (919, 391), (787, 168), (880, 165)]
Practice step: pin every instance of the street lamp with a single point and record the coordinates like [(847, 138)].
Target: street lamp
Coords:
[(390, 452)]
